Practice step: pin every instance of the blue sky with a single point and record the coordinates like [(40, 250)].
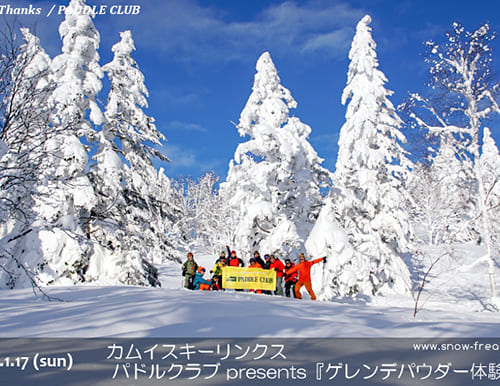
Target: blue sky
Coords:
[(199, 58)]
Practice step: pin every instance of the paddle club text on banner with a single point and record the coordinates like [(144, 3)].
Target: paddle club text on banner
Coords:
[(248, 278)]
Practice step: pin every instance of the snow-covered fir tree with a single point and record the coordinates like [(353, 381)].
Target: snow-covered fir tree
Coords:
[(66, 200), (129, 217), (68, 222), (273, 183), (368, 196), (77, 73)]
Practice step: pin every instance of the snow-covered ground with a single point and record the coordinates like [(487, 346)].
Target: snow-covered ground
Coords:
[(457, 306)]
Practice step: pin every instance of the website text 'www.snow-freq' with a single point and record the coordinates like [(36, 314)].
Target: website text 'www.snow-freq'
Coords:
[(476, 346)]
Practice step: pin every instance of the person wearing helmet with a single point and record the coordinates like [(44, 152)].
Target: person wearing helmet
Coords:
[(222, 255), (267, 262), (199, 282), (304, 270), (189, 268)]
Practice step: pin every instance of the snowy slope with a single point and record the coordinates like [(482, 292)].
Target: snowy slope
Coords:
[(171, 311)]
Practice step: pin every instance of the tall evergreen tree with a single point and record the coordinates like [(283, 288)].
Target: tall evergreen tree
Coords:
[(129, 217), (67, 199), (369, 195), (109, 223), (273, 184), (125, 117)]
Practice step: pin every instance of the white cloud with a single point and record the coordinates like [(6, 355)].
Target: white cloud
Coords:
[(327, 42), (180, 157), (179, 96), (191, 32), (185, 126), (186, 161)]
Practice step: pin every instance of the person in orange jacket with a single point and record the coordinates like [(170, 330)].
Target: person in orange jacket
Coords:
[(258, 259), (304, 270), (254, 264)]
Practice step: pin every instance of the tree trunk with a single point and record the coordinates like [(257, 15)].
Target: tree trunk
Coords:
[(485, 227)]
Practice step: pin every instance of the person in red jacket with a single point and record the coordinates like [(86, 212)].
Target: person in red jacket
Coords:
[(234, 261), (279, 267), (304, 270), (291, 280)]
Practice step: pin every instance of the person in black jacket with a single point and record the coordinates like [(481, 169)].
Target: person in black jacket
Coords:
[(258, 259), (267, 262), (267, 265)]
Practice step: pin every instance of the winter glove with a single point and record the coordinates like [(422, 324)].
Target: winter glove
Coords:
[(184, 272), (324, 259)]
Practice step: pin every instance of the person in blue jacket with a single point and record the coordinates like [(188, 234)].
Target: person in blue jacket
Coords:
[(200, 283)]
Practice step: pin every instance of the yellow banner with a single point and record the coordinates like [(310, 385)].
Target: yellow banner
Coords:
[(249, 278)]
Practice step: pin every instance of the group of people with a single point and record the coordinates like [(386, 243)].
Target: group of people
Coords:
[(289, 276)]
